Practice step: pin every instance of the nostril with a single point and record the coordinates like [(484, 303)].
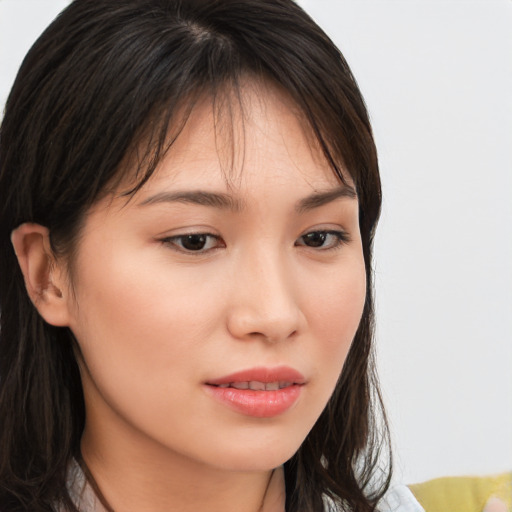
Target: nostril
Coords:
[(272, 337), (268, 322)]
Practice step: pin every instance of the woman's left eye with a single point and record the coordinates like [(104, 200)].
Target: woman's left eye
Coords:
[(323, 239), (194, 242)]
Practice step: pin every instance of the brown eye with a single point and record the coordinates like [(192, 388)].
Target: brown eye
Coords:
[(194, 242), (323, 239), (315, 239)]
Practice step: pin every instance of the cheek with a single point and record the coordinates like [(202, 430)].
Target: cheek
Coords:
[(335, 314), (141, 334), (137, 316), (336, 307)]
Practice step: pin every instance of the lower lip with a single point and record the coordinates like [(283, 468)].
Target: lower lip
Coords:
[(259, 404)]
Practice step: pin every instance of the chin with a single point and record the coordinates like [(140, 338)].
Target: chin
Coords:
[(255, 456)]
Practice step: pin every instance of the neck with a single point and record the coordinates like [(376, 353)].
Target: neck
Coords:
[(129, 477)]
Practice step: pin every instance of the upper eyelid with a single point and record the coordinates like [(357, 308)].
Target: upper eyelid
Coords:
[(342, 235), (334, 231), (191, 233), (204, 232), (170, 240), (337, 230)]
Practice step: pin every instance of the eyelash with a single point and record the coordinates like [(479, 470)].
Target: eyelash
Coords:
[(176, 242), (341, 238)]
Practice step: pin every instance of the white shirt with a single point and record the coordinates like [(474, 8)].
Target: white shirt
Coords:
[(399, 499)]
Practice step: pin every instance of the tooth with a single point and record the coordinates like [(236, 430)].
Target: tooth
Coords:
[(272, 386), (224, 385), (240, 385), (257, 386), (284, 385)]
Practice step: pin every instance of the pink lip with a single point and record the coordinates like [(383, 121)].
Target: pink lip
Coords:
[(262, 374), (259, 403)]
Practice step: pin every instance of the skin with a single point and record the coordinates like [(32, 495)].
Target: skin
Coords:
[(154, 321)]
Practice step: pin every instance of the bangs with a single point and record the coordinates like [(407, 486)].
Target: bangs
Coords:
[(230, 113)]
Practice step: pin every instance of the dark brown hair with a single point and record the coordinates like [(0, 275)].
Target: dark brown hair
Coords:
[(103, 78)]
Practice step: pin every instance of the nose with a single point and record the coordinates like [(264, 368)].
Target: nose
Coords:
[(265, 301)]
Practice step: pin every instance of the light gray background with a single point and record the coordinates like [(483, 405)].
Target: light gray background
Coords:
[(437, 78)]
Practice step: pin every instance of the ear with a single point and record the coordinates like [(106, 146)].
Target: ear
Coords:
[(45, 278)]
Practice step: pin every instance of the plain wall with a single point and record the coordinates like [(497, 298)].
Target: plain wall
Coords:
[(437, 78)]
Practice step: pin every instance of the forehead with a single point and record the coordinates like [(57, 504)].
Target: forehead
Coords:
[(253, 131)]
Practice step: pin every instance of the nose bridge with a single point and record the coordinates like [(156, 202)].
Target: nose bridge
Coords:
[(265, 301)]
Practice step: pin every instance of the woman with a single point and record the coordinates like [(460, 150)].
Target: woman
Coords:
[(191, 190)]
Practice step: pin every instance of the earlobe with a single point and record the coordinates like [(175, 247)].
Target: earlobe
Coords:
[(44, 276)]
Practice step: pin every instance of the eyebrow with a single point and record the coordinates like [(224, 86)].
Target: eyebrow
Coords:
[(199, 197), (318, 199), (228, 202)]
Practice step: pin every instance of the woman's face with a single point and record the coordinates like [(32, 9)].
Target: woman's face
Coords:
[(227, 270)]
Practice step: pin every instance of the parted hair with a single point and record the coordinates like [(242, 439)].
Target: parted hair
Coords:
[(110, 76)]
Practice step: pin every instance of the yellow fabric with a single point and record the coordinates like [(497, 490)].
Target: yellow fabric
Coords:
[(463, 494)]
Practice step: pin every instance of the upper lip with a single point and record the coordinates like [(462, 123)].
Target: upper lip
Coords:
[(261, 374)]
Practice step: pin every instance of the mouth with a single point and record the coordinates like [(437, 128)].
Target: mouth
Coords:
[(260, 379), (258, 392), (256, 385)]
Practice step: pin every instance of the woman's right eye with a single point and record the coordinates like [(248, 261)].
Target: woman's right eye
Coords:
[(194, 242)]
